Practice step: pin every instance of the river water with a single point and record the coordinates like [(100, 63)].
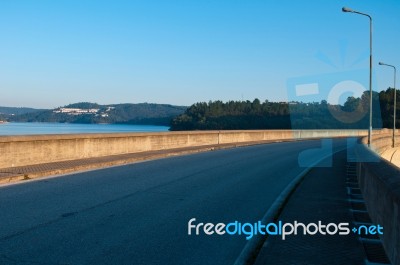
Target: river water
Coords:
[(28, 128)]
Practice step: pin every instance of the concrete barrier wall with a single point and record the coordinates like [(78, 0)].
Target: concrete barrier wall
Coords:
[(380, 185), (382, 145), (34, 149)]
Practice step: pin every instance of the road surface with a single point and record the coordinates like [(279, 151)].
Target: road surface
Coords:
[(139, 213)]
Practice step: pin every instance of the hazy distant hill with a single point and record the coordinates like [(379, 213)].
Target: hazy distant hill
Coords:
[(6, 113), (16, 111), (85, 112)]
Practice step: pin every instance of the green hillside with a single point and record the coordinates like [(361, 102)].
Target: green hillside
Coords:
[(85, 112)]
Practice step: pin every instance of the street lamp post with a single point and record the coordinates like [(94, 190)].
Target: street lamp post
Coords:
[(346, 9), (394, 110)]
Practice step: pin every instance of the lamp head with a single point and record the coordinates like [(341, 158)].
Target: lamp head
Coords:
[(346, 9)]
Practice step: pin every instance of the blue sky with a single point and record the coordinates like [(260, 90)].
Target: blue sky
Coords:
[(53, 53)]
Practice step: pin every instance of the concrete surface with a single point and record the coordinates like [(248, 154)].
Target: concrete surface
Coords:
[(322, 196), (138, 214), (380, 185), (382, 145), (22, 173), (38, 149)]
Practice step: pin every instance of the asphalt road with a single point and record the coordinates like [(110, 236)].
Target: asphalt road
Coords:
[(139, 213)]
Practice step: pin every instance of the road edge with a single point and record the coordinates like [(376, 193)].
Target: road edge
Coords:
[(250, 252)]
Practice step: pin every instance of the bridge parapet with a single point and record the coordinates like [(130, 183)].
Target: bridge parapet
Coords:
[(380, 185), (36, 149), (382, 145)]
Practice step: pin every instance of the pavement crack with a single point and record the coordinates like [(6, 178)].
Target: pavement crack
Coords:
[(68, 214)]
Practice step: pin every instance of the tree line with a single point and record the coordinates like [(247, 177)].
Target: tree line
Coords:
[(235, 115)]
